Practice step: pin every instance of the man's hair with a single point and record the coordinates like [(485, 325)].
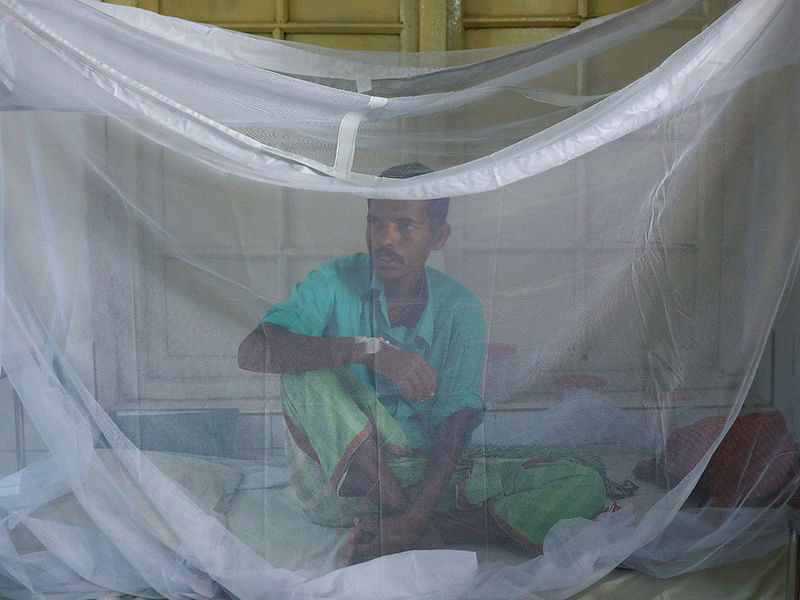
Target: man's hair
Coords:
[(435, 207)]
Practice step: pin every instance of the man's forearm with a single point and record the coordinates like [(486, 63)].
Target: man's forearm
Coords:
[(449, 440), (274, 349)]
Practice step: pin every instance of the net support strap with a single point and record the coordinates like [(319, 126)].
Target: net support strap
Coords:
[(348, 129)]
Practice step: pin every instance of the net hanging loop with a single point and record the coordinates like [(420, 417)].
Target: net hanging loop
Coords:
[(348, 129)]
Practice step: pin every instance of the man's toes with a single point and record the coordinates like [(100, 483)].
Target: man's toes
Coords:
[(365, 552)]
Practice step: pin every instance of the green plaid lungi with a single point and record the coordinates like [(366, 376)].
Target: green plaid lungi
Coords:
[(330, 413)]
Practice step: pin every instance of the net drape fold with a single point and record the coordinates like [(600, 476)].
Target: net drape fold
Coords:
[(631, 237)]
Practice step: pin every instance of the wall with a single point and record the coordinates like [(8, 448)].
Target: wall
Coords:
[(44, 241), (395, 25), (405, 25), (293, 249)]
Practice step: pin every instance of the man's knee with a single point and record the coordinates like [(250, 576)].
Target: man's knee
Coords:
[(313, 396)]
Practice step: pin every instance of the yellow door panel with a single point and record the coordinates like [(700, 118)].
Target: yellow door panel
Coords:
[(605, 7), (353, 11), (229, 11), (486, 37), (343, 41), (519, 8)]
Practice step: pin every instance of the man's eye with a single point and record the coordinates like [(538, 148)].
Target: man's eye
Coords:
[(408, 227)]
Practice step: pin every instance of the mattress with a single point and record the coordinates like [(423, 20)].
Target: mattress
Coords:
[(257, 504), (271, 523)]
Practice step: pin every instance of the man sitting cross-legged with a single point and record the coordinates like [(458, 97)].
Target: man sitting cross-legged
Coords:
[(381, 359)]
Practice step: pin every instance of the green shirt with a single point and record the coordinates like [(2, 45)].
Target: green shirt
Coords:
[(342, 298)]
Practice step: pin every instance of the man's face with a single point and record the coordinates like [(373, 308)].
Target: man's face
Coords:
[(400, 238)]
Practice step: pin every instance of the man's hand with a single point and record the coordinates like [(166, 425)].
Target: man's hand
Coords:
[(415, 377), (374, 536)]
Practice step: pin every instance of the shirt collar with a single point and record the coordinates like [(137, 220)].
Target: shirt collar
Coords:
[(424, 327)]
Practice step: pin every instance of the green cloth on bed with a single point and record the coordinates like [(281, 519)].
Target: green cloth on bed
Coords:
[(526, 451)]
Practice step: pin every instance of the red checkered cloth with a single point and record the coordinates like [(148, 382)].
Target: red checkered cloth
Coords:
[(755, 463)]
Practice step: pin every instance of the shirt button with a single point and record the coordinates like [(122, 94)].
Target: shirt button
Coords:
[(419, 341)]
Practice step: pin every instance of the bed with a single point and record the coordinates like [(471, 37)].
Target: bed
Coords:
[(255, 502)]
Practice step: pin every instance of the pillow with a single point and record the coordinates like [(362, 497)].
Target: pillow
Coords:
[(210, 485), (752, 465)]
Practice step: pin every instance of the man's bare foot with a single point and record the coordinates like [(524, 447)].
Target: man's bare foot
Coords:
[(468, 527), (374, 536), (478, 527)]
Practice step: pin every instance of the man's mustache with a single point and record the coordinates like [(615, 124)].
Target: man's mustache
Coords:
[(382, 253)]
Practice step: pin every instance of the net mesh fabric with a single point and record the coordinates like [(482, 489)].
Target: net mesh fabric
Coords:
[(631, 241)]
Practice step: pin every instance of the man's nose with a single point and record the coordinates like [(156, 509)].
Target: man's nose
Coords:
[(388, 235)]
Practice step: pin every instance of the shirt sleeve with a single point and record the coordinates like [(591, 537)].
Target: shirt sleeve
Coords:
[(309, 307), (459, 380)]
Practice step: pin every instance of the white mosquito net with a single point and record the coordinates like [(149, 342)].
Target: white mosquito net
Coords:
[(618, 253)]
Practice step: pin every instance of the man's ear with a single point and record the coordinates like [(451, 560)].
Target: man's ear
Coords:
[(440, 236)]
